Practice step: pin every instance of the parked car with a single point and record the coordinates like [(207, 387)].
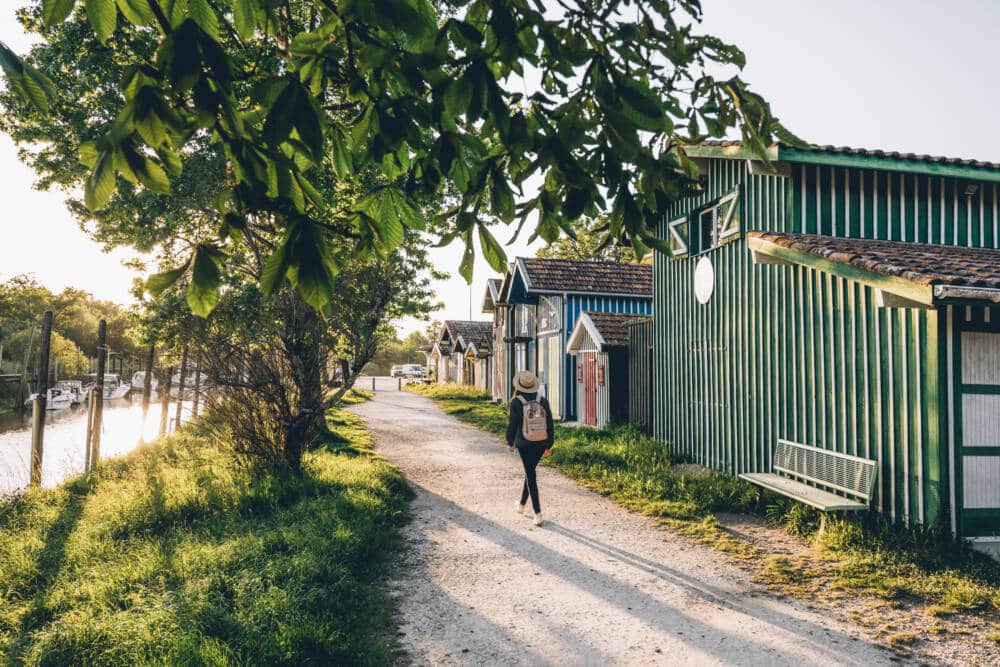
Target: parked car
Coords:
[(414, 371), (408, 371)]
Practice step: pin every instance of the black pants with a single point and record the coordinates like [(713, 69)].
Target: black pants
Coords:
[(530, 456)]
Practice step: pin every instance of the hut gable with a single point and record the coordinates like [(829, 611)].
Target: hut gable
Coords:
[(602, 331)]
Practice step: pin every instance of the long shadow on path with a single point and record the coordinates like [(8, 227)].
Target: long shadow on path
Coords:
[(748, 638)]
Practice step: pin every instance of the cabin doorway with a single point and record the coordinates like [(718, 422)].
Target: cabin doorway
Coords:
[(977, 429), (589, 386)]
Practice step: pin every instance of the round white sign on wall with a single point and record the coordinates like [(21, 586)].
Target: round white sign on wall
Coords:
[(704, 280)]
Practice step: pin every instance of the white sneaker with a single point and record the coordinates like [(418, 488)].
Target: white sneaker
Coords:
[(538, 519), (520, 508)]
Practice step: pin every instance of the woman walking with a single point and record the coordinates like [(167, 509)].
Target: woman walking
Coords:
[(529, 430)]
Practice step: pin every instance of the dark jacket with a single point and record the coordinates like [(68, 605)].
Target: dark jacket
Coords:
[(515, 434)]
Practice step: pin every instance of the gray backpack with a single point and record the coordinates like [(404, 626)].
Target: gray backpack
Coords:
[(534, 421)]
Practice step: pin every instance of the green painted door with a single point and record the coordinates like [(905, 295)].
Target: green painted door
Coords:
[(977, 426)]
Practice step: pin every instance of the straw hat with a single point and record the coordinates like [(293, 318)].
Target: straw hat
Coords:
[(526, 382)]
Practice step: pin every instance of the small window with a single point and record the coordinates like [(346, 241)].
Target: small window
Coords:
[(706, 228)]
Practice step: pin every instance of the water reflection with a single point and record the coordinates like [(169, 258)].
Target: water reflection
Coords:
[(65, 437)]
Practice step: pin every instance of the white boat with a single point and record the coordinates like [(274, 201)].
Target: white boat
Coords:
[(75, 390), (113, 386), (139, 381), (55, 399)]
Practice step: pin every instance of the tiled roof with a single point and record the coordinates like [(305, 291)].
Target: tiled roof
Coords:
[(613, 327), (559, 275), (468, 330), (919, 263), (873, 152)]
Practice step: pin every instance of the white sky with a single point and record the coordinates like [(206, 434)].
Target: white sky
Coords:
[(906, 75)]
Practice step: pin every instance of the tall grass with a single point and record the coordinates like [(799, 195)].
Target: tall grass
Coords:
[(176, 555), (861, 553)]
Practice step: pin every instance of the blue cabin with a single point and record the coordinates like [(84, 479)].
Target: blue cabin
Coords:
[(536, 307)]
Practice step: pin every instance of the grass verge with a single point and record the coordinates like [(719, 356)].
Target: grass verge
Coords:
[(859, 554), (177, 555)]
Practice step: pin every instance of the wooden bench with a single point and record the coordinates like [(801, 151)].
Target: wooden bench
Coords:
[(828, 481)]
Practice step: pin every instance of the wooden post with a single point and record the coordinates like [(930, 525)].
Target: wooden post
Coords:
[(88, 447), (399, 384), (165, 401), (180, 388), (197, 386), (147, 389), (38, 409), (98, 397), (373, 384)]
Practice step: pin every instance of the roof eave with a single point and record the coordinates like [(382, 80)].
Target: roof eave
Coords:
[(769, 252), (789, 154), (584, 325), (730, 152)]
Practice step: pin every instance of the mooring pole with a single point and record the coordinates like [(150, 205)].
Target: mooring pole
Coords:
[(38, 409), (165, 401), (147, 389), (180, 388), (98, 397), (89, 446), (197, 386)]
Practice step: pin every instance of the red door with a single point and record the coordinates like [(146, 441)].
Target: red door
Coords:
[(590, 388)]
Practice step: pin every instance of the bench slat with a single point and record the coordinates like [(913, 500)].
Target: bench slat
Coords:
[(810, 495)]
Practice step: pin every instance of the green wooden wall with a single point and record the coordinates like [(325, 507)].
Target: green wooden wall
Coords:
[(791, 352)]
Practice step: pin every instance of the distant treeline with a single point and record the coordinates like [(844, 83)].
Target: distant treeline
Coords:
[(74, 331)]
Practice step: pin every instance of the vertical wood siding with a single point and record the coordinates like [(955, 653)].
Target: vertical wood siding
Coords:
[(640, 379), (791, 352)]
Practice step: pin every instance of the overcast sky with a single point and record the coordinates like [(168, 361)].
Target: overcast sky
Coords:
[(907, 75)]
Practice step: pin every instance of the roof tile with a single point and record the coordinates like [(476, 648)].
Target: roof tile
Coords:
[(564, 275), (919, 263)]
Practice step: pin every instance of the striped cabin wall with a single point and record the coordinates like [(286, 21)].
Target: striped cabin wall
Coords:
[(640, 375), (791, 352)]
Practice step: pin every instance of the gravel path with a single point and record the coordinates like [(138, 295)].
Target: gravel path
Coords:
[(595, 585)]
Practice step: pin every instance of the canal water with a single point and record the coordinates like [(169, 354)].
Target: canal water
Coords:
[(65, 438)]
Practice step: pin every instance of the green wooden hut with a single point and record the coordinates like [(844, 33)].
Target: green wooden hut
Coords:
[(844, 299)]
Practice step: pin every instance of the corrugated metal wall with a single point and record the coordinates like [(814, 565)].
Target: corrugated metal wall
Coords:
[(793, 353), (640, 375)]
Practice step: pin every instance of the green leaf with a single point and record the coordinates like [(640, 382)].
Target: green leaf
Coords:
[(408, 212), (137, 12), (468, 258), (343, 162), (157, 283), (276, 265), (244, 18), (89, 154), (56, 11), (154, 177), (100, 184), (492, 250), (103, 16), (205, 17), (457, 96), (314, 267), (203, 290), (280, 120)]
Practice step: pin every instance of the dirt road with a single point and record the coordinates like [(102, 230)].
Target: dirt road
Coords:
[(595, 585)]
